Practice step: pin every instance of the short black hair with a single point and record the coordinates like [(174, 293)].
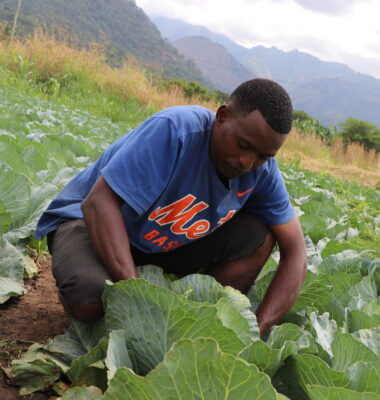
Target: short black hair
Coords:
[(267, 96)]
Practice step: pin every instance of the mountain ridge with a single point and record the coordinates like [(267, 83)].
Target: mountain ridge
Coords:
[(174, 29), (226, 74), (329, 91)]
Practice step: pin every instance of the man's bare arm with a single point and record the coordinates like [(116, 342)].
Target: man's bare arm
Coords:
[(287, 281), (105, 224)]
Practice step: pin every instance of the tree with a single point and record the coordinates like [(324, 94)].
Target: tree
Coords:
[(15, 21), (364, 132), (299, 115)]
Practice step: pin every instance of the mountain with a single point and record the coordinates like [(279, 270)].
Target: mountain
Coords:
[(294, 67), (173, 29), (119, 23), (329, 91), (215, 62), (336, 99), (271, 62)]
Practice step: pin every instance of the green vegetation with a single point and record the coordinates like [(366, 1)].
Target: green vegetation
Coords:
[(73, 91), (300, 116), (42, 145), (309, 125), (363, 132), (352, 131), (195, 89), (164, 337)]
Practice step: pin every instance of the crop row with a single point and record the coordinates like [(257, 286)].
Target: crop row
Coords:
[(188, 338)]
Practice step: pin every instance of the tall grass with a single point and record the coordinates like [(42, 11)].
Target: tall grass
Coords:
[(81, 78), (351, 163), (355, 154)]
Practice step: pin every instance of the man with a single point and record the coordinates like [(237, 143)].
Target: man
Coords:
[(186, 190)]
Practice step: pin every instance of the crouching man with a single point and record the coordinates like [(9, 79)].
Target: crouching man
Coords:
[(187, 190)]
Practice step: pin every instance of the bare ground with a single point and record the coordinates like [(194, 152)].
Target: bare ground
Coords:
[(34, 317)]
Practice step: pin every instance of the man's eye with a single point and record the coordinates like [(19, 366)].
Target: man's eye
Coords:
[(244, 146)]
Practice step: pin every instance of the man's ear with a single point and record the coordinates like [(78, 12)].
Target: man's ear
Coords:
[(222, 113)]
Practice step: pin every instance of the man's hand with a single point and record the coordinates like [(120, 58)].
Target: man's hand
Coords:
[(286, 284), (105, 224)]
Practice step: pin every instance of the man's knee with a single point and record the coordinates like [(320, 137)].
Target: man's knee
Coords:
[(80, 276), (250, 236), (84, 312), (81, 297), (242, 272)]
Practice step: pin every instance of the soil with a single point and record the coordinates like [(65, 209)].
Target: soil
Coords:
[(34, 317)]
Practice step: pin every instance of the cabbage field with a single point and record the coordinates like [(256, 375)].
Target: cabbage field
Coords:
[(190, 338)]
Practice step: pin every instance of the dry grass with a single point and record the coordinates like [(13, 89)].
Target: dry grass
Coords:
[(63, 60), (52, 59), (353, 164), (49, 58), (355, 154)]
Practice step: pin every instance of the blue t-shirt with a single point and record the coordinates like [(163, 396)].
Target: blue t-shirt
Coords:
[(172, 193)]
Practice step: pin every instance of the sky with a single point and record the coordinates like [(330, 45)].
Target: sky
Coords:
[(345, 31)]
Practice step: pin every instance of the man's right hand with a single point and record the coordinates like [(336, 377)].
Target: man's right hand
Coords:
[(105, 225)]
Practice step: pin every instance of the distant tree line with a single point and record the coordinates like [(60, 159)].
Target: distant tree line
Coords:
[(352, 130), (194, 88)]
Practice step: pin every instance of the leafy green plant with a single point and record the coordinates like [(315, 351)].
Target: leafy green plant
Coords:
[(304, 123), (164, 337)]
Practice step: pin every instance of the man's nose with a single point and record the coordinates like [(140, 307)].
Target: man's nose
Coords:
[(247, 162)]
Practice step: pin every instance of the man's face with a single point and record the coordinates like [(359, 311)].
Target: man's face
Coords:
[(241, 144)]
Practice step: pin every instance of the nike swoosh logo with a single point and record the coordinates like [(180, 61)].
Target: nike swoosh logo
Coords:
[(241, 194)]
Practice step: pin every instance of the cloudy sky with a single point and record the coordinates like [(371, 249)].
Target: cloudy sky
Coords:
[(346, 31)]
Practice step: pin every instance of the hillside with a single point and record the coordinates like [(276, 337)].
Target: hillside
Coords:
[(120, 24), (329, 91), (215, 62)]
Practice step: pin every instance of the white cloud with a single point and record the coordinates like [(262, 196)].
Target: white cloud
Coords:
[(344, 31), (333, 7)]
